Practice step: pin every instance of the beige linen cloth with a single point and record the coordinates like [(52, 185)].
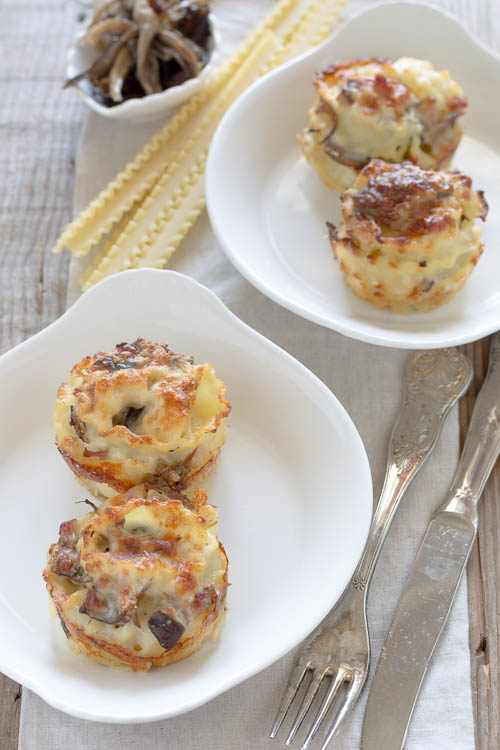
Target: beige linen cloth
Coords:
[(368, 381)]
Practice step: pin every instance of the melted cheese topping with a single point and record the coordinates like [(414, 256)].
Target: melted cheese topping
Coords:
[(421, 78), (408, 239), (137, 413), (134, 559), (373, 108)]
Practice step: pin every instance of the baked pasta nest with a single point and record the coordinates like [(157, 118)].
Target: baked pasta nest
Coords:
[(372, 108), (141, 582), (408, 239), (140, 413)]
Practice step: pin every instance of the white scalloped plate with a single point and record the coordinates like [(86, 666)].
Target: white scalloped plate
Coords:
[(269, 208), (293, 493)]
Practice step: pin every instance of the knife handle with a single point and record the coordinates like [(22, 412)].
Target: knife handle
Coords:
[(434, 380), (482, 444)]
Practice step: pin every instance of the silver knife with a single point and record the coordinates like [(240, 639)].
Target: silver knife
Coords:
[(433, 581)]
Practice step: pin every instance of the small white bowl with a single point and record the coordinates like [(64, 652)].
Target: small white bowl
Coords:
[(81, 55)]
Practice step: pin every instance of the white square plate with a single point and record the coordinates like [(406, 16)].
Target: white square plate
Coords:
[(269, 208), (293, 493)]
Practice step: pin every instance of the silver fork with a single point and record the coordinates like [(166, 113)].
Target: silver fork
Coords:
[(340, 647)]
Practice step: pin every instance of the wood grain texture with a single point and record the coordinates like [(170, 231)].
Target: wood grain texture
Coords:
[(10, 708), (483, 570), (483, 579), (40, 126)]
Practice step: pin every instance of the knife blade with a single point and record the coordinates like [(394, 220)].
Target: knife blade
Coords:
[(434, 577)]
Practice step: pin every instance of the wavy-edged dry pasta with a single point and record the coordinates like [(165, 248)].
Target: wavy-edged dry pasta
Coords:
[(396, 111), (408, 239), (141, 582), (140, 413)]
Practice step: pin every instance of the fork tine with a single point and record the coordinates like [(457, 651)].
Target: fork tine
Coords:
[(326, 705), (353, 692), (305, 705), (294, 684)]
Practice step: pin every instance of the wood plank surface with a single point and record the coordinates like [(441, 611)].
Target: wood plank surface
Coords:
[(483, 579), (39, 125)]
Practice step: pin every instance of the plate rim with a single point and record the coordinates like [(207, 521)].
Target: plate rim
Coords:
[(34, 682), (352, 329)]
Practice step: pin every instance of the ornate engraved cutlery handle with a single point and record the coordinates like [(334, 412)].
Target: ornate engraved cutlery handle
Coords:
[(482, 445), (434, 381)]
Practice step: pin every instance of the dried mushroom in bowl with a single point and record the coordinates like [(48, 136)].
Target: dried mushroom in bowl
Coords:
[(144, 47)]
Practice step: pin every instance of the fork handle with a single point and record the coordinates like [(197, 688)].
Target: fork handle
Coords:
[(434, 381)]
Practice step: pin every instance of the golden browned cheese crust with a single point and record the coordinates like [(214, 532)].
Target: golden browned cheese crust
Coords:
[(140, 413), (408, 239), (375, 108), (141, 582)]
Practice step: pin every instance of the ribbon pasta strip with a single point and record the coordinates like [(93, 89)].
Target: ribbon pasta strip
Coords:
[(150, 206), (134, 182), (170, 226), (182, 173)]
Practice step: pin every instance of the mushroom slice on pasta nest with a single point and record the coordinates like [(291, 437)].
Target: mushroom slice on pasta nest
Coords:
[(409, 238), (141, 413), (372, 108), (141, 583)]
